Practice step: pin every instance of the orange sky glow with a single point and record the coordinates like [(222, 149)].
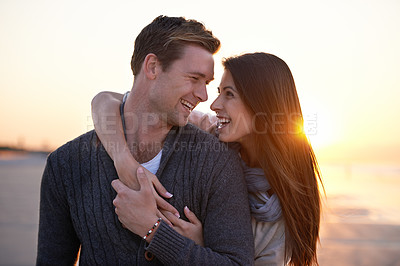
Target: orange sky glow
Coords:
[(57, 55)]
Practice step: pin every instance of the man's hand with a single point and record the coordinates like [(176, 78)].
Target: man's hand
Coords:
[(125, 165), (136, 210)]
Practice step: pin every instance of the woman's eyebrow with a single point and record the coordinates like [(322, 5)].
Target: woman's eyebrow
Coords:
[(228, 87)]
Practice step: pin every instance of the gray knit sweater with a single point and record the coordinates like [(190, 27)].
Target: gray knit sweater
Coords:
[(76, 209)]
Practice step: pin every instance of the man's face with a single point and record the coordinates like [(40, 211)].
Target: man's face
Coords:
[(179, 89)]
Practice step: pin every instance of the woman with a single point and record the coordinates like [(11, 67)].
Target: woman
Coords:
[(258, 108)]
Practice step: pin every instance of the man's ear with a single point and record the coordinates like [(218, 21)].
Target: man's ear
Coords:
[(150, 65)]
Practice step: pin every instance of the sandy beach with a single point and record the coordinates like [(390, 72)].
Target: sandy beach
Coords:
[(359, 244), (19, 207), (353, 232)]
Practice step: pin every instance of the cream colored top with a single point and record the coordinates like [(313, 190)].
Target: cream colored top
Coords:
[(269, 242)]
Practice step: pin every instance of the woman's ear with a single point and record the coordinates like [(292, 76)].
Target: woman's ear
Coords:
[(150, 65)]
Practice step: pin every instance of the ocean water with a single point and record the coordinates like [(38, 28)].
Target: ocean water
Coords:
[(362, 193)]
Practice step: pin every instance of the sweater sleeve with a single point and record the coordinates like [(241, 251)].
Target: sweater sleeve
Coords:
[(206, 122), (227, 225), (57, 240)]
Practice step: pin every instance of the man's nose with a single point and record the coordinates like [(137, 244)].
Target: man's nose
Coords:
[(200, 93)]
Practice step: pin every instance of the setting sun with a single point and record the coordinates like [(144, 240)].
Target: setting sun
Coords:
[(320, 129)]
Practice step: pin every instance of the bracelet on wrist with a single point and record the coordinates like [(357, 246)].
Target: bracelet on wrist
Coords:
[(152, 229)]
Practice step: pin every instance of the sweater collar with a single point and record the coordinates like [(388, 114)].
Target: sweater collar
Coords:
[(170, 145)]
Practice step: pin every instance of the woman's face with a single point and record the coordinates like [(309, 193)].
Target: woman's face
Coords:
[(234, 118)]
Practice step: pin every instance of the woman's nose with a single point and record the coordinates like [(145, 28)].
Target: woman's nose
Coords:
[(216, 105)]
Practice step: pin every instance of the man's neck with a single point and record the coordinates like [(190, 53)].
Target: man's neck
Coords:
[(145, 129)]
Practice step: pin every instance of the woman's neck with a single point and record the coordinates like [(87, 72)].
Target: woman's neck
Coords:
[(248, 152)]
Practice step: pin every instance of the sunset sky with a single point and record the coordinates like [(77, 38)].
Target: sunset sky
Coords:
[(344, 56)]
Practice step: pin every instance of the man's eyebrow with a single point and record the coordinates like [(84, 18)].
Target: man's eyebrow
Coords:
[(197, 74), (201, 75)]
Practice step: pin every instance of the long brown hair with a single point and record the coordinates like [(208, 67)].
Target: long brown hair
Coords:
[(265, 84)]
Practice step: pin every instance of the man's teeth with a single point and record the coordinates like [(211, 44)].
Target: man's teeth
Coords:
[(187, 104)]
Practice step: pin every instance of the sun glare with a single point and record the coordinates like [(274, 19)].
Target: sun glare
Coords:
[(319, 129)]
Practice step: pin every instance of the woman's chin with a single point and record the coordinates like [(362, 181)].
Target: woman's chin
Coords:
[(225, 137)]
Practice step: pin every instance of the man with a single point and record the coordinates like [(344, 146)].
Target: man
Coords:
[(172, 64)]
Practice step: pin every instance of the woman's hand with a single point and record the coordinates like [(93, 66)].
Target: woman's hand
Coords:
[(136, 210), (192, 229), (125, 165)]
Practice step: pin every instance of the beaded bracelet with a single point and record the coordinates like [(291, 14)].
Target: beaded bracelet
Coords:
[(151, 230)]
